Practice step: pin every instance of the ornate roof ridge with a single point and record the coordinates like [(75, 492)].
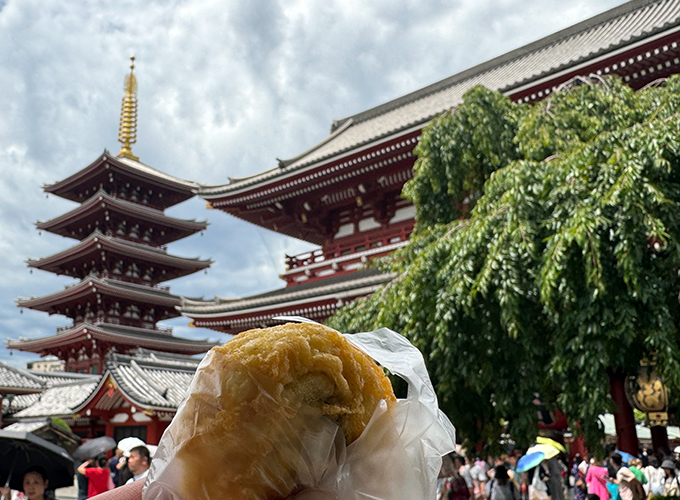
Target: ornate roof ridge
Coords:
[(132, 166), (115, 330), (36, 381), (349, 281), (124, 204), (55, 394), (156, 364), (114, 241), (90, 281)]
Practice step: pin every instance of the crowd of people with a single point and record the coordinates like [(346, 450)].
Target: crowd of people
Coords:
[(498, 478)]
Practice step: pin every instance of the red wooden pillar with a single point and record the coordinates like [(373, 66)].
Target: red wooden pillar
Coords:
[(624, 418), (109, 426), (660, 439), (152, 434)]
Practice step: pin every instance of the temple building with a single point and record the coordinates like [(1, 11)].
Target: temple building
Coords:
[(343, 194), (136, 395), (120, 259)]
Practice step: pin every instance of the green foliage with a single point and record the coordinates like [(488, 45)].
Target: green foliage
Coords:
[(59, 422), (457, 154), (567, 269)]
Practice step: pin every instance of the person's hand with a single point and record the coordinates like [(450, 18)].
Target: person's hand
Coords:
[(313, 495), (5, 492)]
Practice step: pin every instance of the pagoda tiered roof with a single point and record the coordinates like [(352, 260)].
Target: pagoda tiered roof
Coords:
[(315, 300), (123, 337), (90, 289), (109, 214), (104, 250), (118, 175)]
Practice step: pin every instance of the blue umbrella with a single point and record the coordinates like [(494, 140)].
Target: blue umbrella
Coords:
[(530, 460), (626, 457)]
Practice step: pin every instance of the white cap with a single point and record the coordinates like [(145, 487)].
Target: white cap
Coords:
[(677, 449)]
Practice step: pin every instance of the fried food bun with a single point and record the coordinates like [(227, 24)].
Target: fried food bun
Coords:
[(260, 392)]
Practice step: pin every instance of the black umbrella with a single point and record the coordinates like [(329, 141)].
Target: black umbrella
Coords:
[(21, 450), (94, 447)]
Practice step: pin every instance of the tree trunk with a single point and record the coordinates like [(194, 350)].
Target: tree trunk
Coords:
[(624, 419)]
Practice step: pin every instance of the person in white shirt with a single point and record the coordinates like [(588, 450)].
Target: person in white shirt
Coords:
[(139, 462), (655, 477)]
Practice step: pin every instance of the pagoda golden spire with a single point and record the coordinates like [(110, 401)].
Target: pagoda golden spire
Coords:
[(127, 131)]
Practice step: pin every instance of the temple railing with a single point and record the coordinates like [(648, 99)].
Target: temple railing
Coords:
[(304, 259)]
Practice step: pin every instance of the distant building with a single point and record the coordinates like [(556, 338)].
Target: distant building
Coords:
[(46, 364)]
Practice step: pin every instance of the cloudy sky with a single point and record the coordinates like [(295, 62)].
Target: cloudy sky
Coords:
[(225, 87)]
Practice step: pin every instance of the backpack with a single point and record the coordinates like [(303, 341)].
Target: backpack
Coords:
[(638, 490)]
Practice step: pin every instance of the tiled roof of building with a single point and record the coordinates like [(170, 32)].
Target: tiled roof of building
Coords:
[(108, 286), (138, 250), (135, 167), (29, 426), (606, 33), (59, 400), (17, 381), (165, 358), (129, 208), (152, 384), (18, 403), (51, 379), (118, 333), (149, 379), (304, 291)]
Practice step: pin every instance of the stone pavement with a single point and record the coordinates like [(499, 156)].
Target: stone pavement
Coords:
[(70, 493)]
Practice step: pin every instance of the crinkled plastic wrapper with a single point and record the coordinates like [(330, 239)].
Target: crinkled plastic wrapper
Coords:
[(398, 455)]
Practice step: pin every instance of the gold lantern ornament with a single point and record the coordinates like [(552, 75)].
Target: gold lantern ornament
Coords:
[(648, 394)]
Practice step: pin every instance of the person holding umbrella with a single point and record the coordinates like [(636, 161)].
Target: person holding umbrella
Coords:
[(34, 484)]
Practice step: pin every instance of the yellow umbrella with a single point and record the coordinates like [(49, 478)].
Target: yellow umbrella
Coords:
[(551, 442), (547, 450)]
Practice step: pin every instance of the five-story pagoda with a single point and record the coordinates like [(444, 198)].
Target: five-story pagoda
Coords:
[(120, 258)]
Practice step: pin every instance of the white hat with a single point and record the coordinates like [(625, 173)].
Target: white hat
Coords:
[(677, 449)]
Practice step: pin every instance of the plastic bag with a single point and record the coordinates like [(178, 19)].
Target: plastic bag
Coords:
[(398, 455)]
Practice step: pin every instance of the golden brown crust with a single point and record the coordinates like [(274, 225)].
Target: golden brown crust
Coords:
[(273, 382)]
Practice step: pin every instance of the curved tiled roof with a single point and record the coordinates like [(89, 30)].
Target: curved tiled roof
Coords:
[(117, 333), (17, 381), (303, 292), (137, 249), (114, 288), (613, 30), (136, 167), (101, 198), (149, 380), (59, 400)]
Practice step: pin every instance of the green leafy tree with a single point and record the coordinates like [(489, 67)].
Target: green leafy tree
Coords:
[(566, 271)]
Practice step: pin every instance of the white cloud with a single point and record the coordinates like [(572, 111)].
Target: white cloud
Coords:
[(224, 89)]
